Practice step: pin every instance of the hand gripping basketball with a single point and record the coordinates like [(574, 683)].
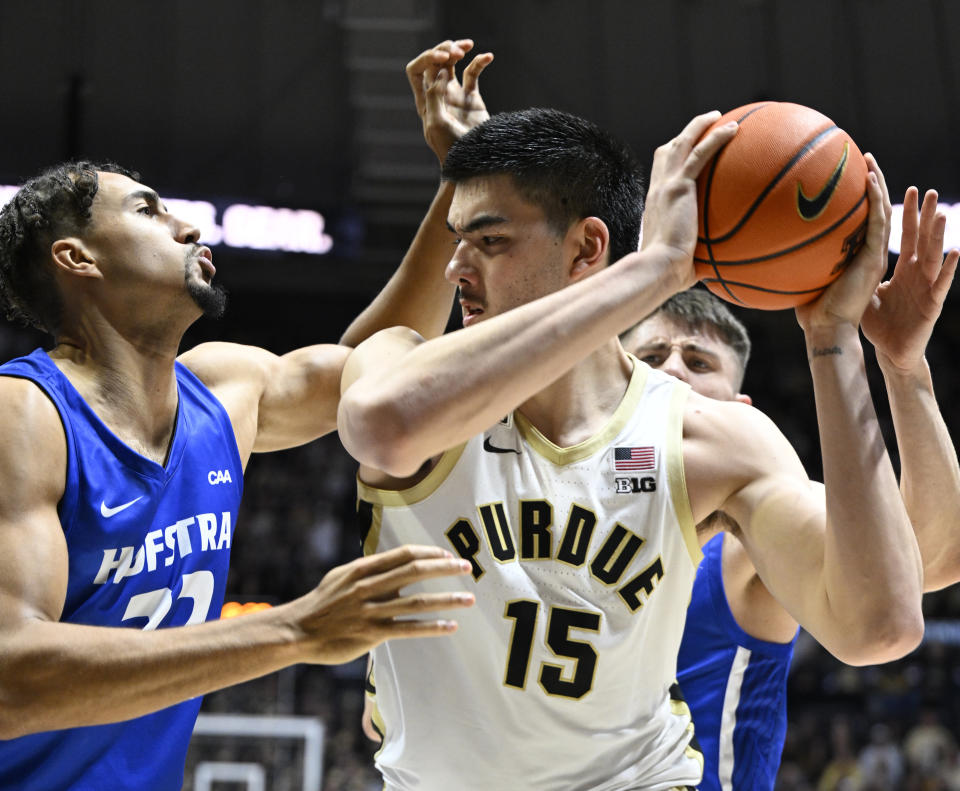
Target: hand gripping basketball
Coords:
[(782, 208), (670, 215)]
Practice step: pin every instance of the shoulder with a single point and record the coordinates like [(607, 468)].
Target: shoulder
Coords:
[(727, 445), (219, 363), (33, 446), (26, 406), (726, 425)]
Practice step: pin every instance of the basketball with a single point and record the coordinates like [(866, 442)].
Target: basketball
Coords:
[(782, 207)]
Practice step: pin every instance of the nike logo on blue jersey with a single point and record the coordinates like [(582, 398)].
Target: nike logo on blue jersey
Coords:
[(107, 511)]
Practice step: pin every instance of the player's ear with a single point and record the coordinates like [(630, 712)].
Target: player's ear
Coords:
[(591, 247), (743, 398), (70, 255)]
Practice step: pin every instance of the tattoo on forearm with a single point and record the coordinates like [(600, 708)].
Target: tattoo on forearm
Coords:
[(824, 351)]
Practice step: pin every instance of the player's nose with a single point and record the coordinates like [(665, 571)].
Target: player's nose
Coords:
[(459, 269), (674, 366), (185, 231)]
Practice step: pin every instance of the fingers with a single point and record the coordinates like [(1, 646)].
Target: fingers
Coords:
[(708, 147), (910, 227), (419, 603), (393, 558), (379, 587), (446, 53), (434, 96), (942, 284), (471, 74), (396, 630), (878, 222), (933, 228), (690, 151), (885, 204)]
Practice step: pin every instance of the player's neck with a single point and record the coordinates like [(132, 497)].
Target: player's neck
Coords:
[(580, 403), (130, 385)]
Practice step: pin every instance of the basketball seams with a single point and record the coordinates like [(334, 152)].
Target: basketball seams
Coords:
[(787, 250), (727, 284), (706, 208), (768, 189)]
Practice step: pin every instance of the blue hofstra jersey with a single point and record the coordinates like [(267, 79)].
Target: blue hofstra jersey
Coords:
[(148, 547), (735, 686)]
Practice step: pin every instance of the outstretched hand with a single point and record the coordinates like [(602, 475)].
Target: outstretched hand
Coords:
[(359, 605), (900, 317), (848, 296), (448, 108)]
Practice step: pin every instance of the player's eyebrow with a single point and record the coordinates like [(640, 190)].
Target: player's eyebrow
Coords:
[(696, 347), (687, 346), (145, 194), (478, 223)]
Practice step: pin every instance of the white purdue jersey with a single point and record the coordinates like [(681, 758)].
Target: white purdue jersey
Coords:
[(559, 677)]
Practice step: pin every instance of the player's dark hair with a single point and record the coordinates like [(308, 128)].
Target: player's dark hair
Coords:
[(697, 310), (52, 205), (565, 165)]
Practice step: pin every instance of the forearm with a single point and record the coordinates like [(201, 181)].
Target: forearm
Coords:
[(417, 295), (871, 565), (929, 472), (447, 390), (59, 675)]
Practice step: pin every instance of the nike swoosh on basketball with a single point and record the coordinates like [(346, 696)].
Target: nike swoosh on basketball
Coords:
[(107, 511), (811, 208), (494, 449)]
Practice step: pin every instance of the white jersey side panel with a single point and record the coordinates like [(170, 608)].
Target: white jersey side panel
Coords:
[(583, 563)]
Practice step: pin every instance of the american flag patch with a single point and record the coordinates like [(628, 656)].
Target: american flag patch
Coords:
[(635, 459)]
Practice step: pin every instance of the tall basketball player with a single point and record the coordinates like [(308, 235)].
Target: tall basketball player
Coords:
[(577, 511)]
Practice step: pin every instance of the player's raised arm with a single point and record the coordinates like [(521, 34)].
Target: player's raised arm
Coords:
[(57, 675), (850, 575), (274, 401), (899, 321), (404, 401), (417, 295)]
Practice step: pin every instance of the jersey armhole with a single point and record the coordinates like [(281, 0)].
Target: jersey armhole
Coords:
[(675, 473)]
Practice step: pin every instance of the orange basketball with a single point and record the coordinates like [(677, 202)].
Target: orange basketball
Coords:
[(783, 207)]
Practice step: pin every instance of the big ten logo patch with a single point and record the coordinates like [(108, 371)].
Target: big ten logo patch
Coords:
[(635, 485)]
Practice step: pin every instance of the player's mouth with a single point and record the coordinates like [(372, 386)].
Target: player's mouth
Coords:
[(205, 259), (471, 311)]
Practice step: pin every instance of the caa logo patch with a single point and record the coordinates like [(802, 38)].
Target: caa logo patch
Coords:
[(219, 476)]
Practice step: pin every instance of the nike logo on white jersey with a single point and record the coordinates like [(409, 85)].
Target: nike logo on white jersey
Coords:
[(107, 511)]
